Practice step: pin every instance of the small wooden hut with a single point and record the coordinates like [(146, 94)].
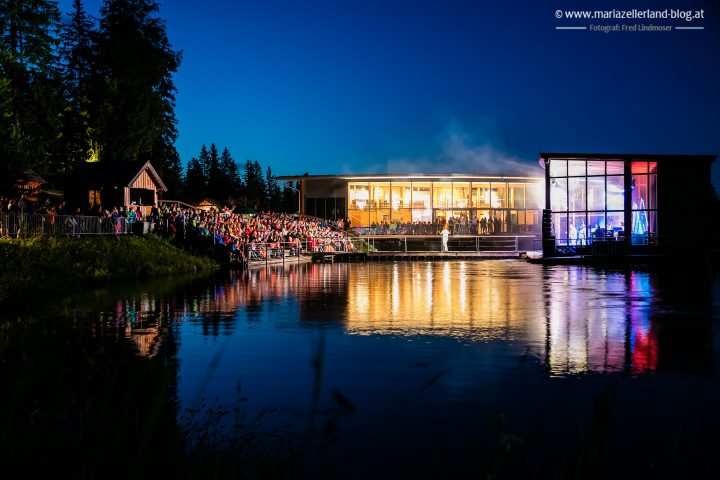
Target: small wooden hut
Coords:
[(208, 204), (28, 183), (118, 184)]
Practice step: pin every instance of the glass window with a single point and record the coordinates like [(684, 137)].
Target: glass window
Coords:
[(421, 195), (400, 195), (615, 167), (615, 192), (576, 193), (652, 225), (516, 195), (558, 194), (422, 215), (461, 195), (640, 192), (380, 216), (639, 167), (558, 168), (498, 195), (576, 168), (653, 167), (615, 223), (596, 225), (596, 167), (596, 193), (402, 215), (380, 195), (481, 194), (560, 228), (533, 193), (358, 218), (577, 229), (442, 195), (652, 191), (359, 195)]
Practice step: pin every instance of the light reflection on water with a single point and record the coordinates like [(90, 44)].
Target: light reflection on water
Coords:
[(441, 362), (572, 319)]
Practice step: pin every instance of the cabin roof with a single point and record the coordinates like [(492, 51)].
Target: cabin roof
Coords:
[(115, 174)]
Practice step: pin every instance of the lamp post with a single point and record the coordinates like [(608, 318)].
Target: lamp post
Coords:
[(287, 185)]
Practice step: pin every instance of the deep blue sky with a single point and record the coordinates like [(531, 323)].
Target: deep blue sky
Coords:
[(358, 86)]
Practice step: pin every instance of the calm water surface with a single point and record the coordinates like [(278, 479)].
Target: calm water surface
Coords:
[(496, 368)]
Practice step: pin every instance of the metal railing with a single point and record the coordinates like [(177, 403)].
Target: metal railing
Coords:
[(436, 228), (23, 225), (266, 252), (477, 244)]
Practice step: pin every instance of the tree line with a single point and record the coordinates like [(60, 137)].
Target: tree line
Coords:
[(217, 176), (101, 90), (86, 90)]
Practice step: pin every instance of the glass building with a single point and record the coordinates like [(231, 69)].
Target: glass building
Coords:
[(630, 199), (368, 200)]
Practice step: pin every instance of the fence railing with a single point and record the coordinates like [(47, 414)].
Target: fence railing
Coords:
[(22, 225), (266, 252), (504, 243), (436, 228)]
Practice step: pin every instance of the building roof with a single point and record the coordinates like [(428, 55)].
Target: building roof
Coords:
[(115, 174), (29, 176), (627, 156), (408, 176)]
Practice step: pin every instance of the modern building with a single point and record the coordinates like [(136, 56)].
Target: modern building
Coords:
[(617, 203), (366, 200)]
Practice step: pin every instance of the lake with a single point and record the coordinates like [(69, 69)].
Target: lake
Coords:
[(495, 368)]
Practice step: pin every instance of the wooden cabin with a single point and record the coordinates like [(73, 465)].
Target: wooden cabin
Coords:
[(28, 183), (208, 204), (118, 184)]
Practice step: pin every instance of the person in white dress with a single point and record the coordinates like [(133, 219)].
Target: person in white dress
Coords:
[(445, 234)]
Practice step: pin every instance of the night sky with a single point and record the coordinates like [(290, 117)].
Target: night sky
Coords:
[(452, 86)]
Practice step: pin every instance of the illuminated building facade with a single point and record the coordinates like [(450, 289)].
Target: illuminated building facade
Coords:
[(369, 200), (626, 202)]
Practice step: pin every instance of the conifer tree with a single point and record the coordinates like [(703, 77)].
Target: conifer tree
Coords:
[(255, 185), (195, 185), (215, 181), (29, 90), (274, 195), (135, 117), (204, 160), (77, 144), (290, 197), (229, 173)]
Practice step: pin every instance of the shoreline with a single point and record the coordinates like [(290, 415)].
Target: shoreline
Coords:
[(37, 270)]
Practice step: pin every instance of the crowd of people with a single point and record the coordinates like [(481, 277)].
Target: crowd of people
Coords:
[(259, 236), (249, 237), (456, 226)]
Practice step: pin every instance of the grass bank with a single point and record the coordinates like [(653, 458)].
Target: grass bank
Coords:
[(41, 267)]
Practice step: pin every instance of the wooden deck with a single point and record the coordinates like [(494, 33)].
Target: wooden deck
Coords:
[(322, 257), (431, 256)]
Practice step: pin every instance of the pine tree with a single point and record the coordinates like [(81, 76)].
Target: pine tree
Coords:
[(30, 91), (230, 174), (204, 160), (216, 184), (78, 74), (135, 117), (255, 185), (195, 183), (290, 197), (274, 195)]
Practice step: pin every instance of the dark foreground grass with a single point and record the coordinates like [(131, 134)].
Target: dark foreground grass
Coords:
[(41, 267)]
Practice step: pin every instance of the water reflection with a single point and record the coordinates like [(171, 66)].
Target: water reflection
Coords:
[(573, 319)]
